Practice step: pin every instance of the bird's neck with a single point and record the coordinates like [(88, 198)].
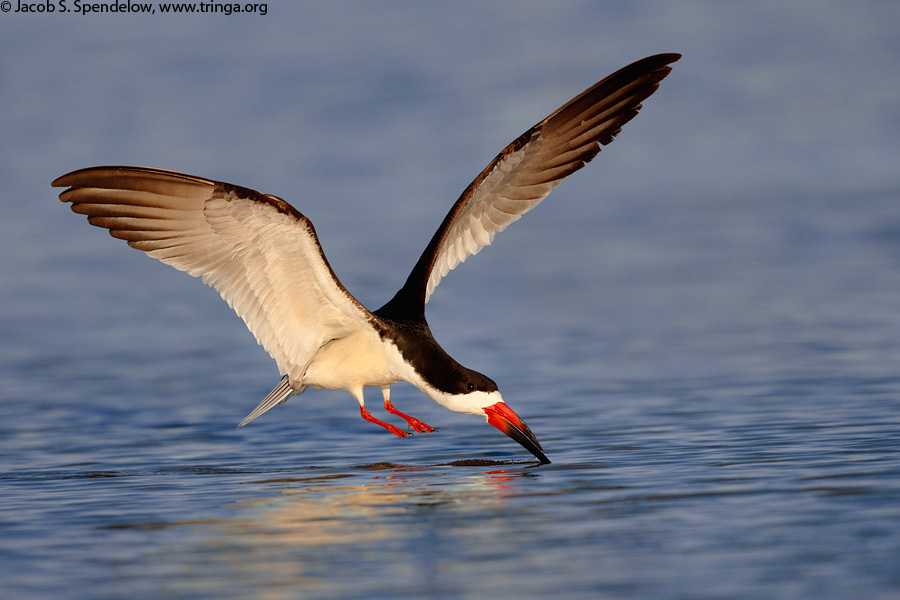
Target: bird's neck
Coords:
[(404, 307)]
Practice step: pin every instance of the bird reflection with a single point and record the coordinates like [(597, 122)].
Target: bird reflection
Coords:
[(300, 526)]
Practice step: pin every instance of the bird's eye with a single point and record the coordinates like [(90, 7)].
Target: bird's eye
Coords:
[(470, 386)]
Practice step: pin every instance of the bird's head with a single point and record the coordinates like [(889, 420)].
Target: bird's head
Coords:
[(476, 394), (463, 390)]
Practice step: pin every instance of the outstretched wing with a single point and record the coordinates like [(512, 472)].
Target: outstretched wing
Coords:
[(257, 251), (522, 175)]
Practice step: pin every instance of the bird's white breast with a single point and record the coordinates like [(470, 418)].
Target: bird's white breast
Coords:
[(358, 360)]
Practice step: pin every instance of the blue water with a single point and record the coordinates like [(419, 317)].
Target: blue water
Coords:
[(702, 327)]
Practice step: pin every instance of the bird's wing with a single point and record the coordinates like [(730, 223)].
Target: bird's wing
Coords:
[(522, 175), (257, 251)]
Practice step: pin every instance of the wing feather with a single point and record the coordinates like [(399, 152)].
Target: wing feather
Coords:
[(257, 251), (525, 172)]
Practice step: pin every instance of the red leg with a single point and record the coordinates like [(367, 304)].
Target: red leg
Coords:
[(368, 417), (416, 424)]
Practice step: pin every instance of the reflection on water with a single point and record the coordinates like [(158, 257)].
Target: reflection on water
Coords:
[(311, 528), (319, 510)]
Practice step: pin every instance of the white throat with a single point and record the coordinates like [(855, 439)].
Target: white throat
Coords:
[(472, 403)]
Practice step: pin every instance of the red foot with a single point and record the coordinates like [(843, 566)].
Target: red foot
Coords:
[(368, 417), (416, 424)]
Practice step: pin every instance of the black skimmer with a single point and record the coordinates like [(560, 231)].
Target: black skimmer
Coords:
[(263, 256)]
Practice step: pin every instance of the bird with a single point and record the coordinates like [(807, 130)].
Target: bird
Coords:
[(264, 258)]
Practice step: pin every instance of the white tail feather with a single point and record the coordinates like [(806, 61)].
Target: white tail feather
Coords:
[(281, 393)]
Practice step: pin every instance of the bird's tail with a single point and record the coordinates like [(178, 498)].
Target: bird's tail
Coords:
[(281, 393)]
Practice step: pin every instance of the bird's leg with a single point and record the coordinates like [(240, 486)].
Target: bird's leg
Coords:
[(358, 394), (368, 417), (416, 424)]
